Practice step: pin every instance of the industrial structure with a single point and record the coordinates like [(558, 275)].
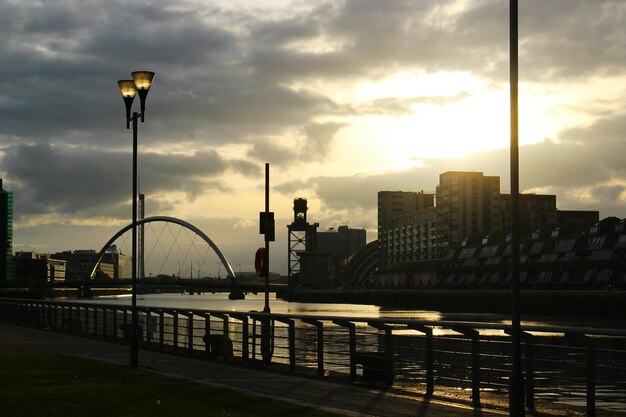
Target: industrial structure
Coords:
[(318, 259)]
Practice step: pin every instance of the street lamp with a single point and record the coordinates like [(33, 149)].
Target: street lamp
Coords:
[(139, 85)]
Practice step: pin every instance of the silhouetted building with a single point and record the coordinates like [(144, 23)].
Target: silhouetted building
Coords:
[(341, 242), (578, 217), (468, 204), (535, 212), (80, 262), (554, 257), (34, 268), (395, 204), (6, 237), (315, 257), (469, 207)]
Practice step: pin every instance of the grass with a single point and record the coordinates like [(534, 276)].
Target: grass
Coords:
[(38, 384)]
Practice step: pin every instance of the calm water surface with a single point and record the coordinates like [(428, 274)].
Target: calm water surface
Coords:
[(220, 301)]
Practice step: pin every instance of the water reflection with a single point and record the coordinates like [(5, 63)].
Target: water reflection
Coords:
[(220, 301)]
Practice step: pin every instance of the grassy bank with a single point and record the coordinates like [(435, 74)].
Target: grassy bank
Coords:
[(37, 384)]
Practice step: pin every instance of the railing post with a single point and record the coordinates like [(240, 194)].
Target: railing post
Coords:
[(49, 313), (291, 337), (95, 320), (245, 349), (190, 332), (320, 343), (473, 334), (207, 333), (351, 344), (591, 381), (175, 335), (104, 322), (254, 336), (62, 317), (529, 354), (161, 328), (115, 323), (429, 357), (125, 324), (389, 359), (148, 330)]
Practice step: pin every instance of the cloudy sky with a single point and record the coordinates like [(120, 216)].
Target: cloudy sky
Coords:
[(343, 98)]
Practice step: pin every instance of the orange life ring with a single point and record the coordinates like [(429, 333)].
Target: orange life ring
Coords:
[(260, 262)]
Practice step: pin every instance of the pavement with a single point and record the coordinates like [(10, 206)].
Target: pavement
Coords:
[(341, 398)]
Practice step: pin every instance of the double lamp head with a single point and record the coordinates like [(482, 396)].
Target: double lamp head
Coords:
[(140, 84)]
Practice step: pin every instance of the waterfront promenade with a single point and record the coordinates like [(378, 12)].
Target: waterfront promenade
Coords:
[(340, 398)]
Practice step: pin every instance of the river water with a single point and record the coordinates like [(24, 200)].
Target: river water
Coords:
[(255, 302)]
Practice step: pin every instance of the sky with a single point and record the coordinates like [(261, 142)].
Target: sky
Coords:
[(342, 98)]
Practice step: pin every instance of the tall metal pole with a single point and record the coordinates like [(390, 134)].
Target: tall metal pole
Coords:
[(516, 382), (135, 318), (266, 308)]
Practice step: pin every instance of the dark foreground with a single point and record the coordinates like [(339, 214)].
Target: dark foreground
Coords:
[(324, 395)]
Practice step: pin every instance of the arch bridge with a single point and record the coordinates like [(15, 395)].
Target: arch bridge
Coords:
[(182, 223)]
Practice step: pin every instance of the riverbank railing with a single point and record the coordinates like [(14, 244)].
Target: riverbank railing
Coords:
[(578, 367)]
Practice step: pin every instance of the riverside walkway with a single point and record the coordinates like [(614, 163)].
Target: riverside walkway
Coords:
[(340, 398)]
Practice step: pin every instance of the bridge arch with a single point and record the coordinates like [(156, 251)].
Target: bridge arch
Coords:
[(167, 219)]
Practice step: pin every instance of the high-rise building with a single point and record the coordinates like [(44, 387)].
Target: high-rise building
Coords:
[(468, 204), (6, 236)]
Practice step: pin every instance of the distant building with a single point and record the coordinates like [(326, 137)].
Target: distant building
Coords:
[(554, 257), (80, 262), (393, 205), (320, 265), (577, 217), (35, 268), (341, 242), (468, 204), (6, 236), (469, 207), (535, 212)]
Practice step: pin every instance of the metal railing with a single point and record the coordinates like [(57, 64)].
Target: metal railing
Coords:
[(573, 367)]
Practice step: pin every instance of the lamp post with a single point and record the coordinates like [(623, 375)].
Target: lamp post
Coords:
[(516, 381), (139, 85)]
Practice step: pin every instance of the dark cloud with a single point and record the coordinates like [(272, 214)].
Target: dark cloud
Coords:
[(221, 74), (86, 182)]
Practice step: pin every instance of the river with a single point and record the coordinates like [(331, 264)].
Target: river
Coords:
[(220, 302)]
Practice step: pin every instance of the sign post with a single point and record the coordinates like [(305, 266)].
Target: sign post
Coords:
[(266, 228)]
